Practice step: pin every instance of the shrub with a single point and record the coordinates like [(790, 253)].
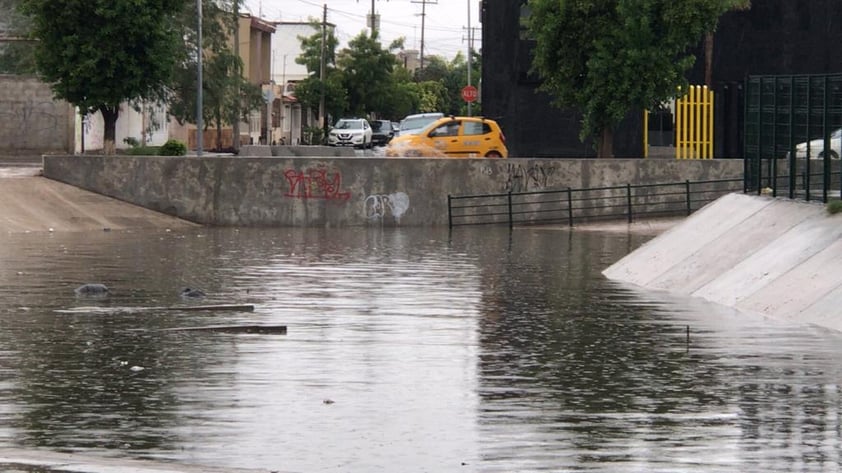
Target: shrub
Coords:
[(131, 141), (173, 148), (834, 207), (313, 135), (144, 151)]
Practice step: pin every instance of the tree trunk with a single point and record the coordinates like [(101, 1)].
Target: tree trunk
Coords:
[(219, 132), (109, 117), (709, 60), (605, 146)]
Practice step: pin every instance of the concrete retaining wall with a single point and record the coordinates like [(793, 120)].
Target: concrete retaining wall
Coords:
[(31, 121), (332, 192), (773, 256)]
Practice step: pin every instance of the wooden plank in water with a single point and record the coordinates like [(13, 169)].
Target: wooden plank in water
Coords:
[(239, 307), (258, 329)]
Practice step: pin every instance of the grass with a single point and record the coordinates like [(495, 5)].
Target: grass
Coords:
[(143, 151), (834, 207)]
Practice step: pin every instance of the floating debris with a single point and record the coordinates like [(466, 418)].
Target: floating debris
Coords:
[(92, 290), (190, 293), (258, 329)]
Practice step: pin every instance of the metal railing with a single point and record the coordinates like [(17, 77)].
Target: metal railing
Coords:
[(810, 179), (588, 204)]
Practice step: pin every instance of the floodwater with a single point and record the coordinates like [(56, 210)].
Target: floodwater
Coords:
[(410, 350)]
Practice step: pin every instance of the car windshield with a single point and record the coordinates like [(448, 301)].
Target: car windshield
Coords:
[(377, 125), (348, 125), (417, 123)]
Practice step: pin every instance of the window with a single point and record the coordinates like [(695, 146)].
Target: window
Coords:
[(447, 129), (476, 128)]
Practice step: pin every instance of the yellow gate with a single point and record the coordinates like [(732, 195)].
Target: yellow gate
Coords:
[(694, 124)]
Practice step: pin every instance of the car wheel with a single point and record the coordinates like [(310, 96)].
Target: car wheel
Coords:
[(493, 154)]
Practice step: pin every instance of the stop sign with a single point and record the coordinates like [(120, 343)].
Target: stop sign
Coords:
[(469, 93)]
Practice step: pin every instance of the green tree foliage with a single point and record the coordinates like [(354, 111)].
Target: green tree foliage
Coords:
[(367, 68), (100, 53), (365, 79), (367, 73), (226, 95), (311, 47), (309, 91), (606, 58), (17, 53), (457, 79)]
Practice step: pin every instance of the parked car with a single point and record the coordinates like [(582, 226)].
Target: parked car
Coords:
[(381, 132), (816, 147), (456, 137), (413, 124), (354, 132)]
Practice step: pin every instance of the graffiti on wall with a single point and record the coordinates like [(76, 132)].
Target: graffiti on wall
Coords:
[(315, 183), (377, 207), (32, 125), (521, 178)]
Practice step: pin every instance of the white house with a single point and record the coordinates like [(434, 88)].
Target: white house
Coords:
[(286, 47), (148, 125)]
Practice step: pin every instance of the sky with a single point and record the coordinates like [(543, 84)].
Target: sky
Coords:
[(445, 21)]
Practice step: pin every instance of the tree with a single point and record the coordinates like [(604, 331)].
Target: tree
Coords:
[(309, 91), (608, 57), (17, 53), (98, 54), (226, 95), (367, 69)]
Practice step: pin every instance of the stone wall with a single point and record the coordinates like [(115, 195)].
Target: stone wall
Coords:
[(31, 121), (336, 192)]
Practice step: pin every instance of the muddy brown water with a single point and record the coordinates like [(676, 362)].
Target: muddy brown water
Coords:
[(412, 350)]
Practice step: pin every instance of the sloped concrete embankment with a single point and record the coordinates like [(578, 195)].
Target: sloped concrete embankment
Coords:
[(777, 257)]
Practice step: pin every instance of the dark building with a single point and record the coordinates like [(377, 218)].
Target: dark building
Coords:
[(772, 37), (532, 125)]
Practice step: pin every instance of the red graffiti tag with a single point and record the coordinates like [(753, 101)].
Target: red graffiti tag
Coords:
[(315, 184)]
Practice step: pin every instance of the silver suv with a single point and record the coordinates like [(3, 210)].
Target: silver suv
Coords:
[(413, 124), (354, 132)]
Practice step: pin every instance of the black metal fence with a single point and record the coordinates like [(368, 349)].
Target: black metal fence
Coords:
[(569, 206)]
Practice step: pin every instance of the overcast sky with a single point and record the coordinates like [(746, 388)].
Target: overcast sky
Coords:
[(445, 22)]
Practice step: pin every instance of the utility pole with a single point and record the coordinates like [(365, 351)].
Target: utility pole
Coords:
[(322, 70), (470, 44), (372, 19), (199, 107), (423, 14), (235, 132)]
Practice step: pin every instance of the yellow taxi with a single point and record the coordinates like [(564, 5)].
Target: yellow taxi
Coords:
[(453, 137)]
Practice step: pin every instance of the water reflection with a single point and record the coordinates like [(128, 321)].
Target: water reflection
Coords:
[(408, 349)]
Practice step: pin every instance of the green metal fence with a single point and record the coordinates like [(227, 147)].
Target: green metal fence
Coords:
[(783, 114)]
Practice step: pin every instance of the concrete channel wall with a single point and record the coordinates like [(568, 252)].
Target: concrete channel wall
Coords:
[(777, 257), (352, 191)]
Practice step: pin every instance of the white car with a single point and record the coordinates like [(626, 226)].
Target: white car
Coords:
[(816, 147), (413, 124), (354, 132)]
